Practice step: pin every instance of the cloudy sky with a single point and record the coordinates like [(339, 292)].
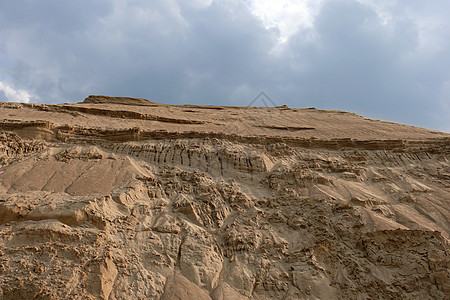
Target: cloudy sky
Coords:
[(384, 59)]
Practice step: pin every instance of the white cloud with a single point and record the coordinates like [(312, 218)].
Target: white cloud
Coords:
[(201, 3), (14, 95), (288, 16), (383, 9)]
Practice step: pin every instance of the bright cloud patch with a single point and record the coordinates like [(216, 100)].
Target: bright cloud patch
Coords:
[(14, 95), (288, 16)]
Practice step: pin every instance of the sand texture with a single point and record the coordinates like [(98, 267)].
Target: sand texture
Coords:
[(123, 198)]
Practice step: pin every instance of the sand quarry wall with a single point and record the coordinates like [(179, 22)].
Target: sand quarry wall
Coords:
[(166, 209)]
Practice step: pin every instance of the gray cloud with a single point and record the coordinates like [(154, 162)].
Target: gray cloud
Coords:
[(181, 52)]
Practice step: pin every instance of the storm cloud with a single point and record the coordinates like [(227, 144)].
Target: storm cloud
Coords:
[(383, 59)]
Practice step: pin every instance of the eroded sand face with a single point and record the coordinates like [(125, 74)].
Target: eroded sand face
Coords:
[(121, 198)]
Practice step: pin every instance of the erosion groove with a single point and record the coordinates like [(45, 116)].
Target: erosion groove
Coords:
[(289, 128), (99, 201)]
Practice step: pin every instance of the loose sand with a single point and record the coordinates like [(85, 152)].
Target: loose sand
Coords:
[(123, 198)]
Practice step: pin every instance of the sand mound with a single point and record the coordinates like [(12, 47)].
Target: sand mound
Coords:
[(102, 201), (98, 99)]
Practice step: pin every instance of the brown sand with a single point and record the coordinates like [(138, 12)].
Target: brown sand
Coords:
[(123, 198)]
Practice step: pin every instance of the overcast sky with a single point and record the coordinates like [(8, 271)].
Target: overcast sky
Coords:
[(384, 59)]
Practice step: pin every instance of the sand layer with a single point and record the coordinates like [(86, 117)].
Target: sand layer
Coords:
[(122, 198)]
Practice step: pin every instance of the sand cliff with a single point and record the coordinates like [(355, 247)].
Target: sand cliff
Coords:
[(124, 198)]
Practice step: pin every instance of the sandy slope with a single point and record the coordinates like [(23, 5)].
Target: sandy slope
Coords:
[(119, 198)]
